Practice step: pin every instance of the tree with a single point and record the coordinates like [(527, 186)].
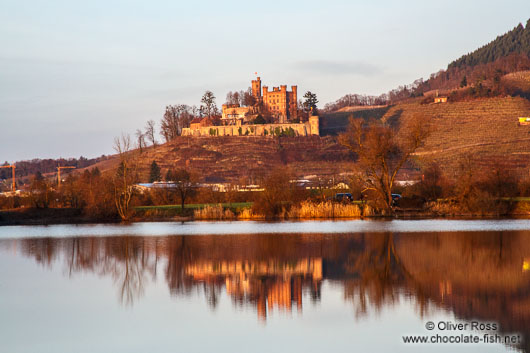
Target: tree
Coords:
[(140, 140), (246, 98), (185, 184), (381, 151), (311, 101), (176, 117), (278, 195), (259, 120), (463, 83), (41, 192), (208, 101), (150, 132), (154, 173), (125, 176)]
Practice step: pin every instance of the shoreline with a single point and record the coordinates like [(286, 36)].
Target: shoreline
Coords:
[(74, 216)]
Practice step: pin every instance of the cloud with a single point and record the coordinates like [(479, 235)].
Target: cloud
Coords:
[(329, 67)]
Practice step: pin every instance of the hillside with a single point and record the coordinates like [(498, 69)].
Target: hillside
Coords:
[(516, 41), (234, 158), (486, 130), (479, 72)]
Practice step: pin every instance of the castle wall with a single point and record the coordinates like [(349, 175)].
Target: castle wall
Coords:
[(300, 129)]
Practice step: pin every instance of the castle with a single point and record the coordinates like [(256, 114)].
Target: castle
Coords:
[(279, 104)]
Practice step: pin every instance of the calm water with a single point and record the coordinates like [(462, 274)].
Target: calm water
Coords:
[(265, 287)]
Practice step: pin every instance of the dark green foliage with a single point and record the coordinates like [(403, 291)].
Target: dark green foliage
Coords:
[(170, 176), (463, 83), (310, 101), (154, 173), (515, 41), (259, 120)]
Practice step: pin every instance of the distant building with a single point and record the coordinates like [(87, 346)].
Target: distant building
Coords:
[(200, 122), (279, 102), (440, 99), (234, 114)]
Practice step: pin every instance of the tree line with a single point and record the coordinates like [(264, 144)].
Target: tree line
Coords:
[(478, 71)]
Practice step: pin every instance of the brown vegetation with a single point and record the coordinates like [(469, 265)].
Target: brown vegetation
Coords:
[(381, 150)]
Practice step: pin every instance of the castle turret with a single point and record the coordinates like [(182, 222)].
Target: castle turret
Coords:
[(314, 125), (256, 88)]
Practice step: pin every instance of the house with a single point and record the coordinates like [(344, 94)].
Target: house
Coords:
[(197, 123)]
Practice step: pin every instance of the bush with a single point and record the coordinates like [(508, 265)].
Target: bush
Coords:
[(279, 194)]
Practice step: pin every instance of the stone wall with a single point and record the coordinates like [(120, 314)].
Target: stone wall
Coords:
[(299, 129)]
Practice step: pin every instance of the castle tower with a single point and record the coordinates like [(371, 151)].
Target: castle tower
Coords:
[(314, 125), (293, 102), (256, 88)]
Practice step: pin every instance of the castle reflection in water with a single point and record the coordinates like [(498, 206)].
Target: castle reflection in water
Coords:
[(475, 275), (268, 284)]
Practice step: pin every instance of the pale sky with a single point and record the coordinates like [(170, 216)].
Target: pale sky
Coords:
[(75, 74)]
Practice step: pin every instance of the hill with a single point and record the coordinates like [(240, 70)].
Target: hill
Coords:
[(515, 41), (485, 130), (479, 72), (230, 158)]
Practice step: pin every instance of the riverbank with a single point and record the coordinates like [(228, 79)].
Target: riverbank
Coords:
[(244, 212), (47, 216)]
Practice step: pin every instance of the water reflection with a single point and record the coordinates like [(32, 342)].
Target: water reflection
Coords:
[(475, 275)]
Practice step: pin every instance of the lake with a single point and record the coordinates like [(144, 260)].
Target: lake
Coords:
[(344, 286)]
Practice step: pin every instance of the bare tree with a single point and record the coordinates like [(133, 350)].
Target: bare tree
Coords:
[(176, 117), (185, 184), (246, 98), (150, 131), (381, 151), (125, 176), (140, 140)]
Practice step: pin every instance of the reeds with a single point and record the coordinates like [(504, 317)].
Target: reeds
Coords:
[(213, 212), (246, 213), (305, 210), (326, 209)]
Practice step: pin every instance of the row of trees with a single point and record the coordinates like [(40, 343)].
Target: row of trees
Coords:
[(515, 41), (176, 117), (49, 165)]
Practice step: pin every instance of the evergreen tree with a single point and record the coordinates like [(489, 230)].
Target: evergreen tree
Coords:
[(154, 173), (463, 83), (310, 101), (515, 41), (170, 176)]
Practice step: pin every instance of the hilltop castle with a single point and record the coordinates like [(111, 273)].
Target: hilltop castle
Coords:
[(279, 105), (279, 102)]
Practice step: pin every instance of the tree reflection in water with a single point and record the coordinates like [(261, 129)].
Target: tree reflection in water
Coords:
[(479, 275)]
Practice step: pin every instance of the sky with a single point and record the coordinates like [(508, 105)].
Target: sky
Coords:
[(75, 74)]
